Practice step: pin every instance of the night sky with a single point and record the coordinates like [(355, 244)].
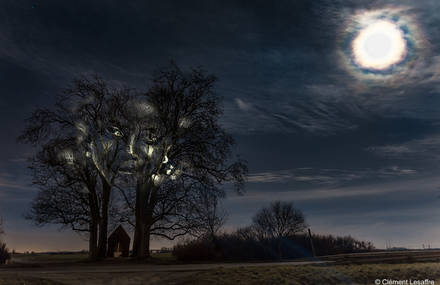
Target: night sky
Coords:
[(357, 149)]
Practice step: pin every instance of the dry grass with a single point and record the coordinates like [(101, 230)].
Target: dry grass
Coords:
[(18, 279), (99, 278), (45, 258), (337, 274), (63, 258), (345, 270)]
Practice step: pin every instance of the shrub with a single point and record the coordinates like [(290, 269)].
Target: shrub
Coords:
[(200, 249), (4, 253), (246, 245)]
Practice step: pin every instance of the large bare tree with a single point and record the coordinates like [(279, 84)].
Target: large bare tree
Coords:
[(181, 209), (69, 191), (164, 150), (178, 151), (79, 128)]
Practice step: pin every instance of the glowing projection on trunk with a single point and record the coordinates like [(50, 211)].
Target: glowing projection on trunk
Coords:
[(381, 44), (147, 147)]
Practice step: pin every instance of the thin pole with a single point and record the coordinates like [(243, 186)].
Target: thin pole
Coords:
[(311, 243)]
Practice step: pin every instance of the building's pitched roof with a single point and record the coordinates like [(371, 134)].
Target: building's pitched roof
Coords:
[(120, 232)]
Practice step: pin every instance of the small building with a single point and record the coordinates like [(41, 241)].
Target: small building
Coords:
[(118, 243)]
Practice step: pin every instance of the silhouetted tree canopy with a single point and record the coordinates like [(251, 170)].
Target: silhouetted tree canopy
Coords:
[(78, 158), (178, 151), (164, 151), (279, 220)]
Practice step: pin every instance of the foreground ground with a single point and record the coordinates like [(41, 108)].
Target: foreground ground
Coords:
[(341, 269)]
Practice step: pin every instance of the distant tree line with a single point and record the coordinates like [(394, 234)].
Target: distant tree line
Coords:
[(277, 232), (154, 159), (5, 255)]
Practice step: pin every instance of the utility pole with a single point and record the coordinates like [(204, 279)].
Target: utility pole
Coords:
[(311, 243)]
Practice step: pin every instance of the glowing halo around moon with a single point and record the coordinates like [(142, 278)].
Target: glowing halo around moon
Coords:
[(379, 46), (382, 45)]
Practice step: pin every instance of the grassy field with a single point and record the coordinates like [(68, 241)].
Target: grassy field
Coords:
[(329, 274), (61, 258), (46, 258), (17, 279), (343, 269), (339, 274)]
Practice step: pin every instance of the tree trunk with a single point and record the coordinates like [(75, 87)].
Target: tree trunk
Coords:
[(147, 242), (143, 244), (144, 217), (94, 221), (103, 225), (139, 243), (93, 240)]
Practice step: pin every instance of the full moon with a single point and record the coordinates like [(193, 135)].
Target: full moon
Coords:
[(379, 46)]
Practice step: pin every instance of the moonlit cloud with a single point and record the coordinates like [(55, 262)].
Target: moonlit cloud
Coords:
[(329, 176), (242, 105), (401, 187), (14, 188), (427, 148)]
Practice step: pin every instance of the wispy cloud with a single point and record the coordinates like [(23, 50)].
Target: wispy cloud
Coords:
[(404, 188), (19, 160), (312, 112), (242, 105), (426, 148), (13, 187), (328, 176)]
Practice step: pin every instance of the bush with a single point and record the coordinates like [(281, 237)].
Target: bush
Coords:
[(245, 245), (195, 250), (4, 253)]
